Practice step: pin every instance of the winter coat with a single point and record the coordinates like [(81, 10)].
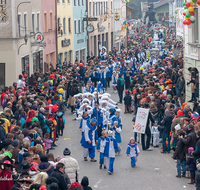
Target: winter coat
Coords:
[(127, 100), (189, 141), (197, 180), (120, 84), (85, 183), (46, 167), (179, 154), (167, 122), (59, 176), (6, 181), (2, 133), (71, 168), (191, 163), (47, 143), (196, 153)]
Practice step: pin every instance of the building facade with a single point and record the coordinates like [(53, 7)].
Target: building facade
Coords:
[(65, 31), (80, 32), (192, 50), (18, 27), (119, 35), (48, 11), (103, 28)]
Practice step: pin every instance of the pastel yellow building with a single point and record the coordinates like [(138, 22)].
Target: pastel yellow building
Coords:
[(65, 30)]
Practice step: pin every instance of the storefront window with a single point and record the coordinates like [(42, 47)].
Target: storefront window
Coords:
[(38, 61), (70, 55), (25, 64)]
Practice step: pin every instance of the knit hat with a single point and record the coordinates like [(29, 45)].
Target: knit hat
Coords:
[(35, 119), (2, 121), (126, 92), (131, 139), (93, 120), (15, 142), (58, 158), (44, 158), (67, 151), (190, 150), (112, 110), (195, 115)]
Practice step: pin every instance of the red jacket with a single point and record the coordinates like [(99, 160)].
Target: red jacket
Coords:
[(6, 180)]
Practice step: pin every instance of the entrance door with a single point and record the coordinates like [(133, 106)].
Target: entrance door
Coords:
[(2, 75)]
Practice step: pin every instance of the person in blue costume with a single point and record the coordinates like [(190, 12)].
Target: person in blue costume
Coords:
[(99, 118), (95, 76), (85, 120), (109, 75), (89, 138), (103, 55), (101, 147), (110, 149), (112, 117), (103, 76), (132, 151), (60, 121), (117, 135)]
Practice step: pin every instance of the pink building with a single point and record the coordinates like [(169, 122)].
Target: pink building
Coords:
[(48, 9)]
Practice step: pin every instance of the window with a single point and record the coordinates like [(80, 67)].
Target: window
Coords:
[(106, 6), (63, 1), (38, 22), (79, 3), (68, 1), (90, 8), (99, 13), (45, 22), (25, 24), (33, 22), (96, 9), (75, 26), (82, 2), (196, 30), (69, 25), (111, 6), (19, 25), (38, 61), (51, 21), (65, 56), (161, 15), (59, 29), (74, 2), (70, 55), (25, 64), (64, 29), (79, 26), (83, 25), (101, 8), (58, 1), (93, 9)]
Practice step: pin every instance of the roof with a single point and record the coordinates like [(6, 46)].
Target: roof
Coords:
[(159, 4)]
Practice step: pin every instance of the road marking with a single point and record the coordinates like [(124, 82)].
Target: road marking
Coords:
[(65, 139), (97, 184)]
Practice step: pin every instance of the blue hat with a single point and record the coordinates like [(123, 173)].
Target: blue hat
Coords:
[(112, 110), (93, 120)]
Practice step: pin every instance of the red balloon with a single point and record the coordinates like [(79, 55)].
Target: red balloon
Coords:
[(198, 2), (184, 13), (188, 21), (187, 4), (191, 13), (184, 22)]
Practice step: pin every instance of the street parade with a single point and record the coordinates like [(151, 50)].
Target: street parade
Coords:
[(121, 120)]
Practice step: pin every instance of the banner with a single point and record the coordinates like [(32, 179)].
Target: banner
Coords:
[(141, 120)]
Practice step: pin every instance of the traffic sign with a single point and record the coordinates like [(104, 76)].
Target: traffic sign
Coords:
[(90, 19)]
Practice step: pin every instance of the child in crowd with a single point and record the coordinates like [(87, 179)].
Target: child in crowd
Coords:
[(132, 151), (156, 134), (47, 141), (84, 121), (191, 165), (179, 155), (127, 102), (114, 81), (110, 149), (101, 147)]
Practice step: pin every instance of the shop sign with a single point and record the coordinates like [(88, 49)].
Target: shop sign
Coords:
[(39, 37), (65, 42), (80, 41)]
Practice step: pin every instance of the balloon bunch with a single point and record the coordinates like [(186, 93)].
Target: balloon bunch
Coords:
[(125, 25), (126, 1), (189, 11), (176, 11)]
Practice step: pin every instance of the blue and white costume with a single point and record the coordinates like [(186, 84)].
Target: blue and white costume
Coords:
[(89, 134), (133, 151), (114, 80), (101, 146), (110, 149), (103, 55)]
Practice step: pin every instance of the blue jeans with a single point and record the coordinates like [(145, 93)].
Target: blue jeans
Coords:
[(180, 165), (133, 161), (165, 136), (197, 92), (111, 163), (120, 93)]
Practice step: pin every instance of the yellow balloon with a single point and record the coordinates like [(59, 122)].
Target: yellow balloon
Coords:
[(190, 9), (186, 18)]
